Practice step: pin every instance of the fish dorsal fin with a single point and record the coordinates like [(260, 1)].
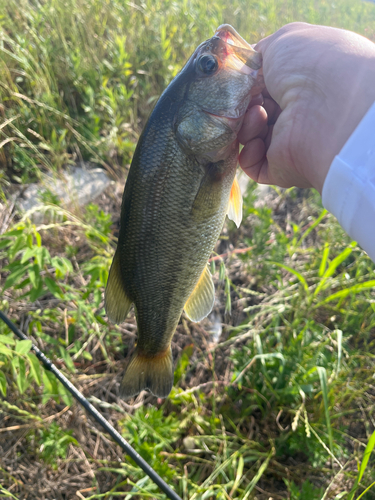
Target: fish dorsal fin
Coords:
[(235, 203), (201, 301), (116, 302)]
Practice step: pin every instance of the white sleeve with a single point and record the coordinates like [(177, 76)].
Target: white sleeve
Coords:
[(349, 189)]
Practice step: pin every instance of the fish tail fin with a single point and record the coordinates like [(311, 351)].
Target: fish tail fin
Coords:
[(116, 302), (154, 373)]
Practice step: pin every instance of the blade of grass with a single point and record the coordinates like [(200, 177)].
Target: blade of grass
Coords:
[(308, 426), (296, 274), (365, 459), (334, 265), (258, 475), (312, 227), (339, 350), (324, 385), (7, 493), (348, 291), (239, 476), (323, 262), (366, 490)]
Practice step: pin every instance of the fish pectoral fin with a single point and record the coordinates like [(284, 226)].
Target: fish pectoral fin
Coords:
[(201, 301), (235, 203), (145, 372), (116, 302)]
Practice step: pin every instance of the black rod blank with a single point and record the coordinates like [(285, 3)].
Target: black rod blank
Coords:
[(94, 413)]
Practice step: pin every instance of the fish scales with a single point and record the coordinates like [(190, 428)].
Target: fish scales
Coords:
[(174, 206), (169, 268)]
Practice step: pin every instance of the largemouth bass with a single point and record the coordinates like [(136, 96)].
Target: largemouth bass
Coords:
[(180, 186)]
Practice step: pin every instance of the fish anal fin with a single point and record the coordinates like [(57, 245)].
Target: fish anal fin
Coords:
[(154, 373), (116, 302), (201, 301), (235, 203)]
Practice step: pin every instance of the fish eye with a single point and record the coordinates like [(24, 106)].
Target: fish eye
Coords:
[(207, 64)]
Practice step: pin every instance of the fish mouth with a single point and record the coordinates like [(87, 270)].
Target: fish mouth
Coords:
[(233, 121), (241, 56)]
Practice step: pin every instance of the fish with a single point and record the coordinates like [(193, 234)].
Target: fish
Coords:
[(180, 186)]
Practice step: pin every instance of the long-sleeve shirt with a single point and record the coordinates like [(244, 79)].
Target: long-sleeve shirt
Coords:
[(349, 188)]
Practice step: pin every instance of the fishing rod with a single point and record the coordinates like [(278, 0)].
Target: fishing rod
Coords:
[(94, 413)]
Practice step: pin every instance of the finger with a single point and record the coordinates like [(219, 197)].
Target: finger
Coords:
[(265, 93), (268, 137), (257, 99), (252, 155), (263, 134), (272, 109), (254, 123), (259, 172), (263, 44)]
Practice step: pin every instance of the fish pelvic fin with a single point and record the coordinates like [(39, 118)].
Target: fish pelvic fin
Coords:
[(154, 373), (116, 302), (235, 203), (201, 301)]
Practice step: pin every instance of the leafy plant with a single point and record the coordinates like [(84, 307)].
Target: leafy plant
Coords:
[(55, 443)]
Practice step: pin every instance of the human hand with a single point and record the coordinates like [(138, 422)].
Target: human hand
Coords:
[(320, 81)]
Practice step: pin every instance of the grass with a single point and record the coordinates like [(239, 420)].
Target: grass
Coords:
[(282, 405)]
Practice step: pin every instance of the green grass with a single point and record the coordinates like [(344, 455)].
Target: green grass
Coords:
[(80, 77), (283, 406)]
